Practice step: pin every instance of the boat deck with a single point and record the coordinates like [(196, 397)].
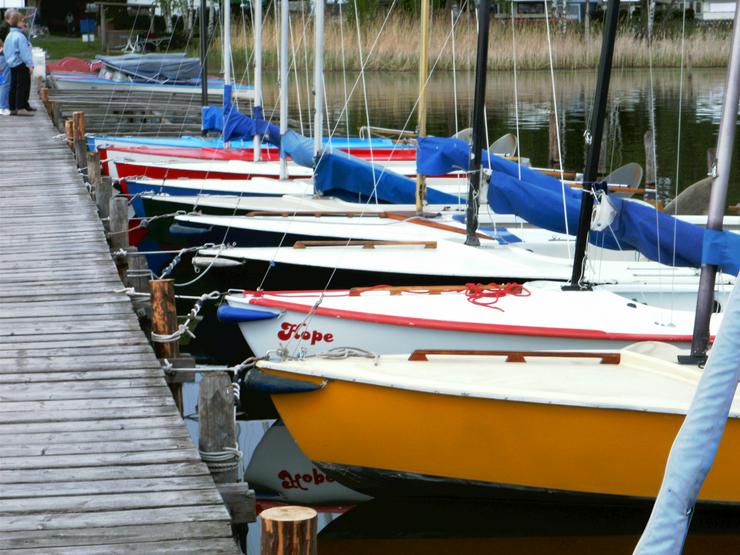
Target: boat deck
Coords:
[(95, 457)]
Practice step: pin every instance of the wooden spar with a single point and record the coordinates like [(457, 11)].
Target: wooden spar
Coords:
[(164, 322), (421, 185), (479, 124), (289, 531), (517, 356)]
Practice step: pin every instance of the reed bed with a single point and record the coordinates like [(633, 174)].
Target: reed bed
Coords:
[(394, 44)]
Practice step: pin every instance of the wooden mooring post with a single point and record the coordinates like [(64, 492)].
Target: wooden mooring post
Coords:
[(93, 172), (288, 531), (103, 195), (78, 138), (164, 322)]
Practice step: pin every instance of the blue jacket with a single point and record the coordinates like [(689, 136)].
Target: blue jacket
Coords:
[(18, 49)]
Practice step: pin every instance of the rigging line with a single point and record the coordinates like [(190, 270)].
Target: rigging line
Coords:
[(346, 103), (344, 75), (557, 125), (454, 68), (304, 44), (678, 147), (518, 150), (294, 67)]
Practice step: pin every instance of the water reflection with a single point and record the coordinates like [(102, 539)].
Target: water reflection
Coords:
[(391, 101), (444, 526)]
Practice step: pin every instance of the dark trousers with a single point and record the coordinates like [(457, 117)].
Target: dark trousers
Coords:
[(20, 87)]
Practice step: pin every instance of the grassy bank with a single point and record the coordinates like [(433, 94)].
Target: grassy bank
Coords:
[(397, 46)]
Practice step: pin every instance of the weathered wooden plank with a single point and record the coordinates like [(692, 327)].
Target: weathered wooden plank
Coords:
[(214, 546), (110, 472), (60, 521), (91, 398), (99, 459), (99, 447), (176, 431), (31, 416), (118, 348), (84, 375), (41, 539)]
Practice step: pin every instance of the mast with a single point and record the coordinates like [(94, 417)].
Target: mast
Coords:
[(227, 42), (203, 54), (718, 195), (421, 185), (479, 124), (318, 77), (593, 139), (284, 15), (257, 73)]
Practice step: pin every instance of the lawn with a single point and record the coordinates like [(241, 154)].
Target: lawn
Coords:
[(58, 47)]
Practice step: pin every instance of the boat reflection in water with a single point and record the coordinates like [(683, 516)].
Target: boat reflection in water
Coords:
[(437, 526)]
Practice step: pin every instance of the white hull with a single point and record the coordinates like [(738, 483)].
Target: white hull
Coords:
[(65, 84), (377, 321)]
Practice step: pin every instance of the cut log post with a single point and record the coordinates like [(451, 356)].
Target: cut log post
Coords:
[(217, 424), (103, 195), (93, 172), (56, 116), (553, 148), (288, 530), (78, 141), (650, 170), (164, 322)]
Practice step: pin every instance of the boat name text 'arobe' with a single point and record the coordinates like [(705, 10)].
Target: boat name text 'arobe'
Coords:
[(294, 481)]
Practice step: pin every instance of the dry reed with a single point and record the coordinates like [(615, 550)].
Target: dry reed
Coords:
[(395, 46)]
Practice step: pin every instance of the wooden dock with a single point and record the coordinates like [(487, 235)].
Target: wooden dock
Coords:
[(94, 457)]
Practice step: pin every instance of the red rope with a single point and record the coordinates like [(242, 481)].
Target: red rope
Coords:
[(488, 294)]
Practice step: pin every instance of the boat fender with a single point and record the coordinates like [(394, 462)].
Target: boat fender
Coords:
[(237, 314), (604, 212), (179, 230), (258, 380)]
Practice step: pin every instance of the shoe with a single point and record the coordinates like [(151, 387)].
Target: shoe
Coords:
[(4, 112), (30, 108), (13, 112)]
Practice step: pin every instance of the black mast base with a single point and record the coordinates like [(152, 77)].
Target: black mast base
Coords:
[(577, 287), (693, 360)]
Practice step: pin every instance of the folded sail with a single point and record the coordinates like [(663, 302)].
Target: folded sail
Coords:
[(343, 176), (235, 125)]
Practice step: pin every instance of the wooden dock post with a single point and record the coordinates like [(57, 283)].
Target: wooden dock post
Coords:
[(138, 274), (288, 531), (78, 138), (164, 322), (44, 94), (93, 172), (118, 218), (69, 133), (103, 195), (217, 423)]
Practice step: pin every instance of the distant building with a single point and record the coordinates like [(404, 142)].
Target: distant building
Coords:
[(714, 10)]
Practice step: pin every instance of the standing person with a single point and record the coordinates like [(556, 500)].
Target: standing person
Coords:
[(20, 59), (4, 68), (70, 21), (4, 83)]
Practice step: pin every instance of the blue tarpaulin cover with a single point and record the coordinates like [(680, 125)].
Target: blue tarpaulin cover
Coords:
[(298, 147), (343, 176), (236, 125), (157, 68)]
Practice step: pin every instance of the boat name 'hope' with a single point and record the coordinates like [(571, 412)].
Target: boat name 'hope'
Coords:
[(298, 331)]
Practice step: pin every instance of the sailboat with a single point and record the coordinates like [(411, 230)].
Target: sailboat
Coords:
[(587, 426)]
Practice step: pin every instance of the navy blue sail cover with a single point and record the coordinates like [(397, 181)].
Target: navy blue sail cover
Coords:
[(235, 125), (343, 176), (538, 198)]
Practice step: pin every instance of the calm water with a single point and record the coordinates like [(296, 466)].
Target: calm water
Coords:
[(391, 99)]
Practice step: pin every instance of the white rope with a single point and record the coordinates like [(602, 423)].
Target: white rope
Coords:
[(557, 126), (184, 328), (222, 461)]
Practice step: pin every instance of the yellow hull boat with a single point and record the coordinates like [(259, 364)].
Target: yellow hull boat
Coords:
[(579, 424)]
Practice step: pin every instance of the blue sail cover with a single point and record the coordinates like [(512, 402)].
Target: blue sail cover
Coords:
[(298, 147), (155, 68), (235, 125), (343, 176)]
